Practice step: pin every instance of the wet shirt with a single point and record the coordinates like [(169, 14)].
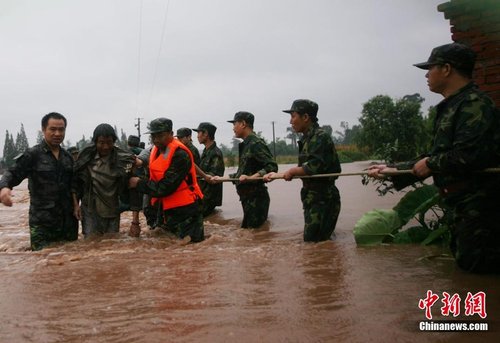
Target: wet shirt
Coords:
[(254, 157), (317, 155), (99, 181), (212, 163), (49, 180), (466, 136)]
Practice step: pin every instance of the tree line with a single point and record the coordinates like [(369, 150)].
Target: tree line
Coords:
[(390, 129)]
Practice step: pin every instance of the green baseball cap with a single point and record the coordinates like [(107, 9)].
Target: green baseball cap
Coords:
[(458, 55), (160, 125), (208, 127), (184, 132), (304, 106), (243, 116)]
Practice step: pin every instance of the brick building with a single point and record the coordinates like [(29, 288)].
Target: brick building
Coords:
[(477, 24)]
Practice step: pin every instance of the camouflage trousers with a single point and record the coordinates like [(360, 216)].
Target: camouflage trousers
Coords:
[(255, 204), (321, 211), (475, 230), (186, 221), (47, 227)]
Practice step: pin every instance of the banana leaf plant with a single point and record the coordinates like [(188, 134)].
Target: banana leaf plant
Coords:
[(387, 226)]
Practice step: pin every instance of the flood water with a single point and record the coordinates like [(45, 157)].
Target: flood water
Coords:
[(263, 285)]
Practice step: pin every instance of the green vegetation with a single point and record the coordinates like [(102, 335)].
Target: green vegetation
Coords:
[(388, 226)]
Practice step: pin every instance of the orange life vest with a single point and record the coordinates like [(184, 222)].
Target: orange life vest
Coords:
[(186, 193)]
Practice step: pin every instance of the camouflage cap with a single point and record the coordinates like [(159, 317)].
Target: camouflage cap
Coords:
[(458, 55), (243, 116), (208, 127), (133, 140), (160, 125), (183, 132), (304, 106)]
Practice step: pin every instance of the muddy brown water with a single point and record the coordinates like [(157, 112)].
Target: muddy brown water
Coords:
[(263, 285)]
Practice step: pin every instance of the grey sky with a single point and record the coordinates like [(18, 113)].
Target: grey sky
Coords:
[(81, 58)]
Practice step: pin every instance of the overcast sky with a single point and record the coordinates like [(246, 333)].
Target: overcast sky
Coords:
[(112, 61)]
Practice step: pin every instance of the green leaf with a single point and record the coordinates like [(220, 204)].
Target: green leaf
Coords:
[(436, 234), (415, 234), (374, 226), (416, 201)]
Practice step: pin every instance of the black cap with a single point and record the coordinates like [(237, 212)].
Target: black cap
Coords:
[(304, 106), (160, 125), (458, 55), (243, 116), (183, 132), (208, 127)]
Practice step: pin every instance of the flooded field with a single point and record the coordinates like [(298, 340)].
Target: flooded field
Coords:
[(263, 285)]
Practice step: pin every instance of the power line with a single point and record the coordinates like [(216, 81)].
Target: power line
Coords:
[(159, 53), (139, 58)]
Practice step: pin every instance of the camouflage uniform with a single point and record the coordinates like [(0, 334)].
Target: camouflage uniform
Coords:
[(254, 156), (320, 197), (212, 163), (195, 152), (184, 220), (51, 208), (466, 140)]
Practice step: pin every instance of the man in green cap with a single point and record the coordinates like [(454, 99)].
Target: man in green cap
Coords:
[(255, 159), (466, 140), (184, 134), (317, 155), (211, 164), (172, 183)]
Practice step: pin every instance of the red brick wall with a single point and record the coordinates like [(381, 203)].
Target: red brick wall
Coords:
[(477, 24)]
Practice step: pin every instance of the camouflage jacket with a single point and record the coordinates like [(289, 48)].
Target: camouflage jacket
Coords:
[(466, 138), (254, 157), (317, 155), (212, 163), (195, 152), (49, 180)]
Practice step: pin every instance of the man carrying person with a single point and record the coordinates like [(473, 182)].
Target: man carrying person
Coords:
[(172, 183)]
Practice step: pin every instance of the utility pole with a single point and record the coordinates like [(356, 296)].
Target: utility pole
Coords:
[(274, 142), (138, 126)]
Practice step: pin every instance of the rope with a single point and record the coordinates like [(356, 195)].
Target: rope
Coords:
[(389, 173)]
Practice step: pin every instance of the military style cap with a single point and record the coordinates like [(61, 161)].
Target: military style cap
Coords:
[(458, 55), (243, 116), (160, 125), (304, 106), (183, 132), (208, 127), (133, 140)]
